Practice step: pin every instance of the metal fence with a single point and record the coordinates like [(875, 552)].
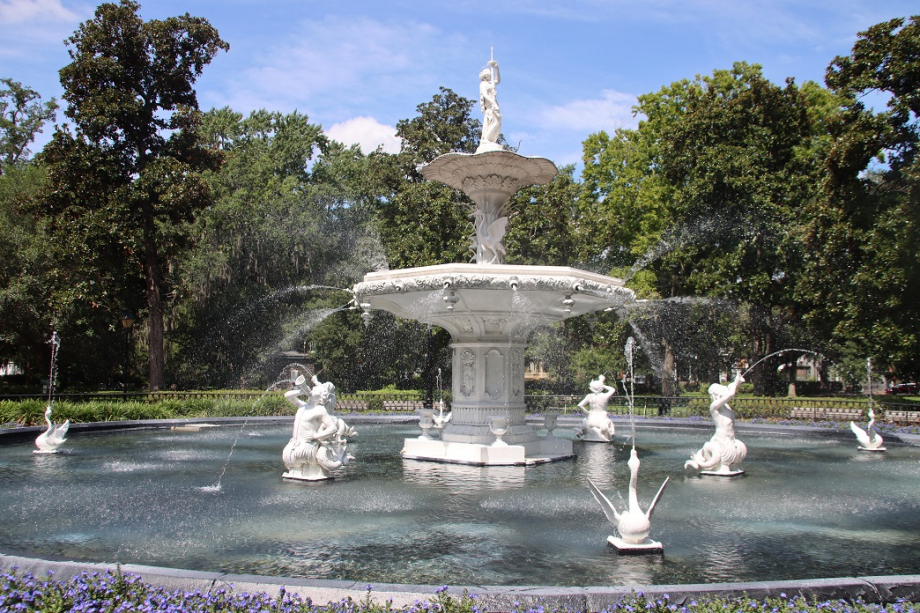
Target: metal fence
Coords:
[(803, 408)]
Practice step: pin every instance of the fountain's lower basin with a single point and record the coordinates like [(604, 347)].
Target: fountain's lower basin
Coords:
[(807, 508)]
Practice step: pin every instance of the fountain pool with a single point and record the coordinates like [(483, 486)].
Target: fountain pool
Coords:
[(802, 511)]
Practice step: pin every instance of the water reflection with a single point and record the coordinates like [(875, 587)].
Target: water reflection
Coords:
[(135, 497)]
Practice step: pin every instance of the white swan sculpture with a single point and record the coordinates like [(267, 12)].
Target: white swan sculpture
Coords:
[(633, 524), (869, 439), (52, 438), (441, 420)]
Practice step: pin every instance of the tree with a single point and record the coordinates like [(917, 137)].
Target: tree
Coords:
[(422, 222), (24, 316), (22, 116), (863, 230), (292, 214), (718, 173), (125, 184)]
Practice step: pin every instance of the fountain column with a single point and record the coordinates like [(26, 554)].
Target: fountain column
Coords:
[(489, 308)]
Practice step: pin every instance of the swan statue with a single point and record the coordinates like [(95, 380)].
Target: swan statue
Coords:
[(52, 438), (869, 440), (441, 420), (633, 523)]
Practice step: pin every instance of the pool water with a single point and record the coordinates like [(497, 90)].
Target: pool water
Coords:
[(806, 508)]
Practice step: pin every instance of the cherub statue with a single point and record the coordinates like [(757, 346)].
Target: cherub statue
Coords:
[(723, 453), (597, 425), (319, 443)]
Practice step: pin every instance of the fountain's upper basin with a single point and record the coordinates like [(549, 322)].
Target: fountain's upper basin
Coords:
[(477, 299)]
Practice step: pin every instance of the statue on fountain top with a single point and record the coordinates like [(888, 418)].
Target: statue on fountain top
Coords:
[(489, 77), (597, 425), (319, 443), (723, 453)]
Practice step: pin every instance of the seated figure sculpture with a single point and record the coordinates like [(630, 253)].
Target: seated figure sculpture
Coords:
[(319, 443), (597, 425), (723, 453)]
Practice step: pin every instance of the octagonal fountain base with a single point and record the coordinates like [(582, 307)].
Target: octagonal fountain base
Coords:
[(489, 311), (539, 451)]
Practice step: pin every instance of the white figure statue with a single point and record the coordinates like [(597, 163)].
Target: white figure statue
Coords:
[(633, 523), (319, 443), (52, 438), (488, 103), (869, 439), (723, 453), (597, 425)]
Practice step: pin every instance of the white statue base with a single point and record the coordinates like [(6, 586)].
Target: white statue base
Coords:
[(723, 472), (308, 473), (861, 448), (534, 452), (646, 546)]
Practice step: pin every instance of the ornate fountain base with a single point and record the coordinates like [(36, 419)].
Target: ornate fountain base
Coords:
[(534, 452), (489, 311)]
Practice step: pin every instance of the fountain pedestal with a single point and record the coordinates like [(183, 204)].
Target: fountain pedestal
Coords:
[(489, 311)]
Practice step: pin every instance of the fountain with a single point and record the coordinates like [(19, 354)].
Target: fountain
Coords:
[(52, 438), (319, 443), (723, 453), (597, 425), (633, 524), (869, 439), (476, 304)]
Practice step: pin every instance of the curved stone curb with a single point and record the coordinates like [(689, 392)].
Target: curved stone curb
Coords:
[(490, 598)]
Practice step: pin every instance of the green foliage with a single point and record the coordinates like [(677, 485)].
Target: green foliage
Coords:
[(707, 192), (125, 184), (424, 223), (22, 116), (864, 228)]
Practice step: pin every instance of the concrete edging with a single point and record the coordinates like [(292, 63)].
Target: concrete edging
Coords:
[(490, 598)]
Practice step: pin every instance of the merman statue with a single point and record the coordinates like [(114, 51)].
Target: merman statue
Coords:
[(319, 443), (723, 453), (596, 426)]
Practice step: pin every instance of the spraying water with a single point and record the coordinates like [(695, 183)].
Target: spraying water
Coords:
[(766, 357), (55, 343), (630, 391), (287, 381)]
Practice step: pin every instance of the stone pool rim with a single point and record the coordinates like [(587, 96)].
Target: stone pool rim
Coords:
[(875, 589)]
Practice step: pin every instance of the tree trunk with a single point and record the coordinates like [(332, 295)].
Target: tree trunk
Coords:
[(155, 312)]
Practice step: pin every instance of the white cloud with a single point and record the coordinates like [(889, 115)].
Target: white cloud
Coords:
[(366, 132), (339, 66), (24, 11), (613, 110)]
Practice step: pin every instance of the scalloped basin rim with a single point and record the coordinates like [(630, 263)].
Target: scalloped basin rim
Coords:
[(495, 270)]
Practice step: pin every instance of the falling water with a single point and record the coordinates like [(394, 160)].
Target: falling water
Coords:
[(678, 237), (869, 376), (652, 358)]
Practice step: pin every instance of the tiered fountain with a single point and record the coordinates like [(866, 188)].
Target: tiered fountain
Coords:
[(489, 308)]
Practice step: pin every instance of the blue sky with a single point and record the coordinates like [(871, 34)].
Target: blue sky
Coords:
[(569, 67)]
